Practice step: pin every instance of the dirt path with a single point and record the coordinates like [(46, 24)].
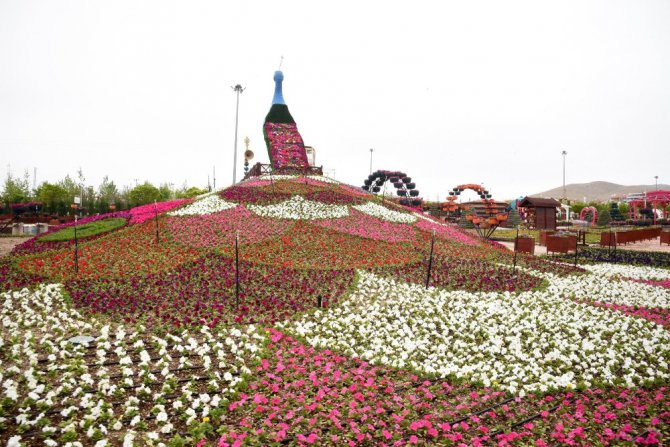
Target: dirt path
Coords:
[(7, 243)]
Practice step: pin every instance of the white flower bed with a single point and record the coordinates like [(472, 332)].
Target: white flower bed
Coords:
[(384, 213), (297, 207), (629, 271), (127, 385), (209, 204), (323, 178), (601, 288), (526, 342)]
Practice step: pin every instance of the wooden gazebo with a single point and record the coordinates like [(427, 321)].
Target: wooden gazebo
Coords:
[(541, 213)]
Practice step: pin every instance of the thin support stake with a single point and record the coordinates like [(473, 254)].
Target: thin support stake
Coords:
[(430, 259), (237, 269), (76, 247), (516, 246), (158, 240)]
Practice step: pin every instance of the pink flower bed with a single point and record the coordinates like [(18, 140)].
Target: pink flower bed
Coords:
[(448, 232), (285, 145), (355, 191), (657, 315), (300, 396), (255, 183), (363, 225), (249, 195), (219, 229), (142, 213), (664, 283)]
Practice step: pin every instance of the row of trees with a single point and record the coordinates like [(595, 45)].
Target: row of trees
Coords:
[(57, 197)]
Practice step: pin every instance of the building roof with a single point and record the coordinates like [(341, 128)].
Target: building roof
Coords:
[(535, 202)]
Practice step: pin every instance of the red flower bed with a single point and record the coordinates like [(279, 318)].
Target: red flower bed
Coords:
[(245, 194), (34, 245), (312, 247), (464, 274), (203, 292), (142, 213), (447, 232), (133, 251), (13, 278), (219, 229), (366, 226)]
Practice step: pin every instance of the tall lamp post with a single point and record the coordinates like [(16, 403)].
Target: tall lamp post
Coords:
[(564, 153), (656, 180), (237, 89), (371, 151)]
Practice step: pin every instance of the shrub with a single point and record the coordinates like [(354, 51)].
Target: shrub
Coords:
[(85, 230), (604, 218)]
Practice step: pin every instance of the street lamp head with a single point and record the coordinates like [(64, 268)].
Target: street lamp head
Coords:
[(564, 153)]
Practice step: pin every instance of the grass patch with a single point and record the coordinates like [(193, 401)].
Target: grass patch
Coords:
[(86, 230)]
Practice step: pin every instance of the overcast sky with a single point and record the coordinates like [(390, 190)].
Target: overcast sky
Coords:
[(448, 92)]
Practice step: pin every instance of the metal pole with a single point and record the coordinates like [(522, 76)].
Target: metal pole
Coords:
[(158, 240), (430, 260), (371, 151), (564, 153), (238, 89), (237, 270), (516, 242), (76, 247)]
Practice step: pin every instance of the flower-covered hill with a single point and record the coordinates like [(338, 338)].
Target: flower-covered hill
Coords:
[(293, 310), (299, 239)]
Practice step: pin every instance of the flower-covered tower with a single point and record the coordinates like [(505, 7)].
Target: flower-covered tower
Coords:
[(285, 146)]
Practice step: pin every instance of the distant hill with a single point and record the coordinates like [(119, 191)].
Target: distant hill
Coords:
[(599, 191)]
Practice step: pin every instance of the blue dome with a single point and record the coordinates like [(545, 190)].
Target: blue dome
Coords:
[(278, 98)]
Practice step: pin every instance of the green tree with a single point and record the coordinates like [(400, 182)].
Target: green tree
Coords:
[(165, 192), (16, 189), (577, 207), (513, 218), (72, 188), (108, 193), (187, 193), (615, 212), (604, 218), (143, 194), (54, 197), (464, 222)]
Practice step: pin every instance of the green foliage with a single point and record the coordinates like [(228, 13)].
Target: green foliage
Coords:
[(190, 192), (143, 194), (54, 197), (86, 230), (15, 189), (108, 191), (165, 192), (464, 223), (615, 213), (578, 207), (624, 209), (604, 218), (513, 219)]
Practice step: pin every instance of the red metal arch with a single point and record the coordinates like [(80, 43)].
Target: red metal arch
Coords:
[(486, 218), (594, 214)]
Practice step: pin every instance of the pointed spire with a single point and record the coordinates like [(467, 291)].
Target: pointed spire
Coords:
[(278, 97)]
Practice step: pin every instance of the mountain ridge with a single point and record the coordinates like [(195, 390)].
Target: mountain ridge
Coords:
[(599, 190)]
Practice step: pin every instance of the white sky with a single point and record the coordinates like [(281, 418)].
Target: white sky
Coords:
[(449, 92)]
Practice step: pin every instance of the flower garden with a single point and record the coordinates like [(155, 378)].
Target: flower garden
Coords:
[(293, 310)]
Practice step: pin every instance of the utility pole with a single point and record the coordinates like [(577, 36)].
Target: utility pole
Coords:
[(371, 151), (564, 153), (238, 89)]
